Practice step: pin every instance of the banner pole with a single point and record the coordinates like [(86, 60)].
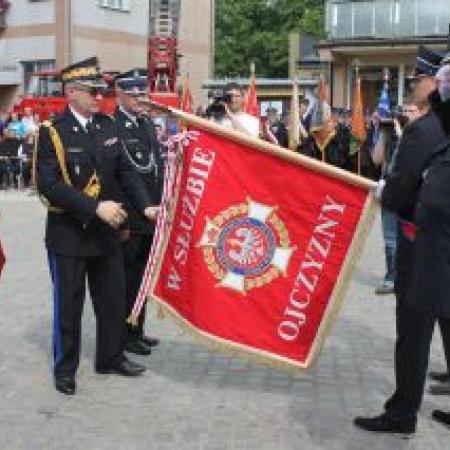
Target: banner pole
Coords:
[(267, 147)]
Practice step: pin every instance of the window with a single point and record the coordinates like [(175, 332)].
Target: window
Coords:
[(31, 67), (121, 5)]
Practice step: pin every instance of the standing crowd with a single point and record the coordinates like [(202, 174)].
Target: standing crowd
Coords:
[(101, 179), (17, 138)]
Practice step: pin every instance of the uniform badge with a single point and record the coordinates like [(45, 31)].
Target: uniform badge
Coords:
[(75, 129), (139, 155), (110, 141), (246, 246), (128, 124)]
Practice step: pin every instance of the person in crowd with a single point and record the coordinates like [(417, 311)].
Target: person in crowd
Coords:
[(143, 151), (29, 122), (307, 144), (3, 123), (10, 147), (337, 150), (16, 126), (382, 155), (81, 170), (434, 235), (415, 313), (365, 165), (234, 116), (274, 130)]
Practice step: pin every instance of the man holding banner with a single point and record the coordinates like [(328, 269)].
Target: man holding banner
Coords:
[(400, 194)]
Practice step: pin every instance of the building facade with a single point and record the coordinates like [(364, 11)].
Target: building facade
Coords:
[(44, 35), (375, 35)]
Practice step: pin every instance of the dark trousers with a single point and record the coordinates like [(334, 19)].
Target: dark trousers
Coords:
[(404, 268), (107, 288), (135, 254), (404, 273), (417, 336), (414, 333)]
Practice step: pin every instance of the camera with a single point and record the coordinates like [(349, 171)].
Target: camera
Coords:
[(216, 109)]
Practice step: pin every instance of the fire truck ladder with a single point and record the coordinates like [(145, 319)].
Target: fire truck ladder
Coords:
[(164, 23)]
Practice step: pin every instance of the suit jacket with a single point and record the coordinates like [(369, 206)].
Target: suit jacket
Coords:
[(431, 276), (420, 139), (77, 231), (143, 151)]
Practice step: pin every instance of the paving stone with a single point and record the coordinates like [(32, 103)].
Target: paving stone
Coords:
[(192, 398)]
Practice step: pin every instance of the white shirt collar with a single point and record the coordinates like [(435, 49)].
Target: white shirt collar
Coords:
[(80, 119)]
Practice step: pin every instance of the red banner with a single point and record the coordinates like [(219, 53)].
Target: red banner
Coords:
[(258, 250)]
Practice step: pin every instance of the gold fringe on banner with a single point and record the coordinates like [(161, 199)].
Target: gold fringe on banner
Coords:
[(363, 228), (234, 349)]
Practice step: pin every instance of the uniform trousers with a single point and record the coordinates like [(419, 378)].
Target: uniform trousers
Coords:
[(416, 342), (135, 254), (414, 332), (106, 283)]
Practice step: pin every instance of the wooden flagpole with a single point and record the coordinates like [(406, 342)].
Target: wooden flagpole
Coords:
[(267, 147), (358, 81)]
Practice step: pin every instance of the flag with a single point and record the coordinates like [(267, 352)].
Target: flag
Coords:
[(251, 99), (358, 133), (186, 103), (294, 118), (322, 124), (257, 268), (384, 103)]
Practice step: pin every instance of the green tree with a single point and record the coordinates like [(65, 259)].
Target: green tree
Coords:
[(258, 31)]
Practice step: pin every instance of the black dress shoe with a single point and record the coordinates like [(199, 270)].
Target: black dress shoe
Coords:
[(441, 416), (440, 389), (123, 367), (65, 385), (152, 342), (441, 377), (385, 424), (138, 347)]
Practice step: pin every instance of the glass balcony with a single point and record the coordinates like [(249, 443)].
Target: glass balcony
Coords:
[(347, 19)]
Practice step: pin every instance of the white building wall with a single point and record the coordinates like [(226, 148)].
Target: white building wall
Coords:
[(195, 42), (24, 12), (118, 38), (89, 13)]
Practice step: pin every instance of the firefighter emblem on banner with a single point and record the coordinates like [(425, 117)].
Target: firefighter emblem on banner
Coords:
[(246, 246)]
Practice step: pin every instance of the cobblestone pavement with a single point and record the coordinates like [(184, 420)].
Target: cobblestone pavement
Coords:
[(191, 398)]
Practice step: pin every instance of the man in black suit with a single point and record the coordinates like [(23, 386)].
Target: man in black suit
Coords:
[(400, 195), (80, 172), (143, 151)]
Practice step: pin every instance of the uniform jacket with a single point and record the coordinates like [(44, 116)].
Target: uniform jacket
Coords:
[(143, 151), (431, 278), (416, 148), (77, 231)]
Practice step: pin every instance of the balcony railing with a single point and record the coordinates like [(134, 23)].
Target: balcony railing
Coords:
[(347, 19)]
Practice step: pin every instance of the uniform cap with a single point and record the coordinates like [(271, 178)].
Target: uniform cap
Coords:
[(427, 62), (85, 72), (133, 82)]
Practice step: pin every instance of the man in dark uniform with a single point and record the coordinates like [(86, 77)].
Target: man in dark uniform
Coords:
[(275, 131), (143, 151), (399, 195), (433, 239), (79, 166)]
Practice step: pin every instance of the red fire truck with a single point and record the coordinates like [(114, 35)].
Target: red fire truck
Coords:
[(46, 93)]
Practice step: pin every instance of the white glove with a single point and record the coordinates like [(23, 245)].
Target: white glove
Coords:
[(378, 189)]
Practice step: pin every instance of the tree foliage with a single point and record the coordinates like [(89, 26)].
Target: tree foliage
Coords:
[(258, 31)]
